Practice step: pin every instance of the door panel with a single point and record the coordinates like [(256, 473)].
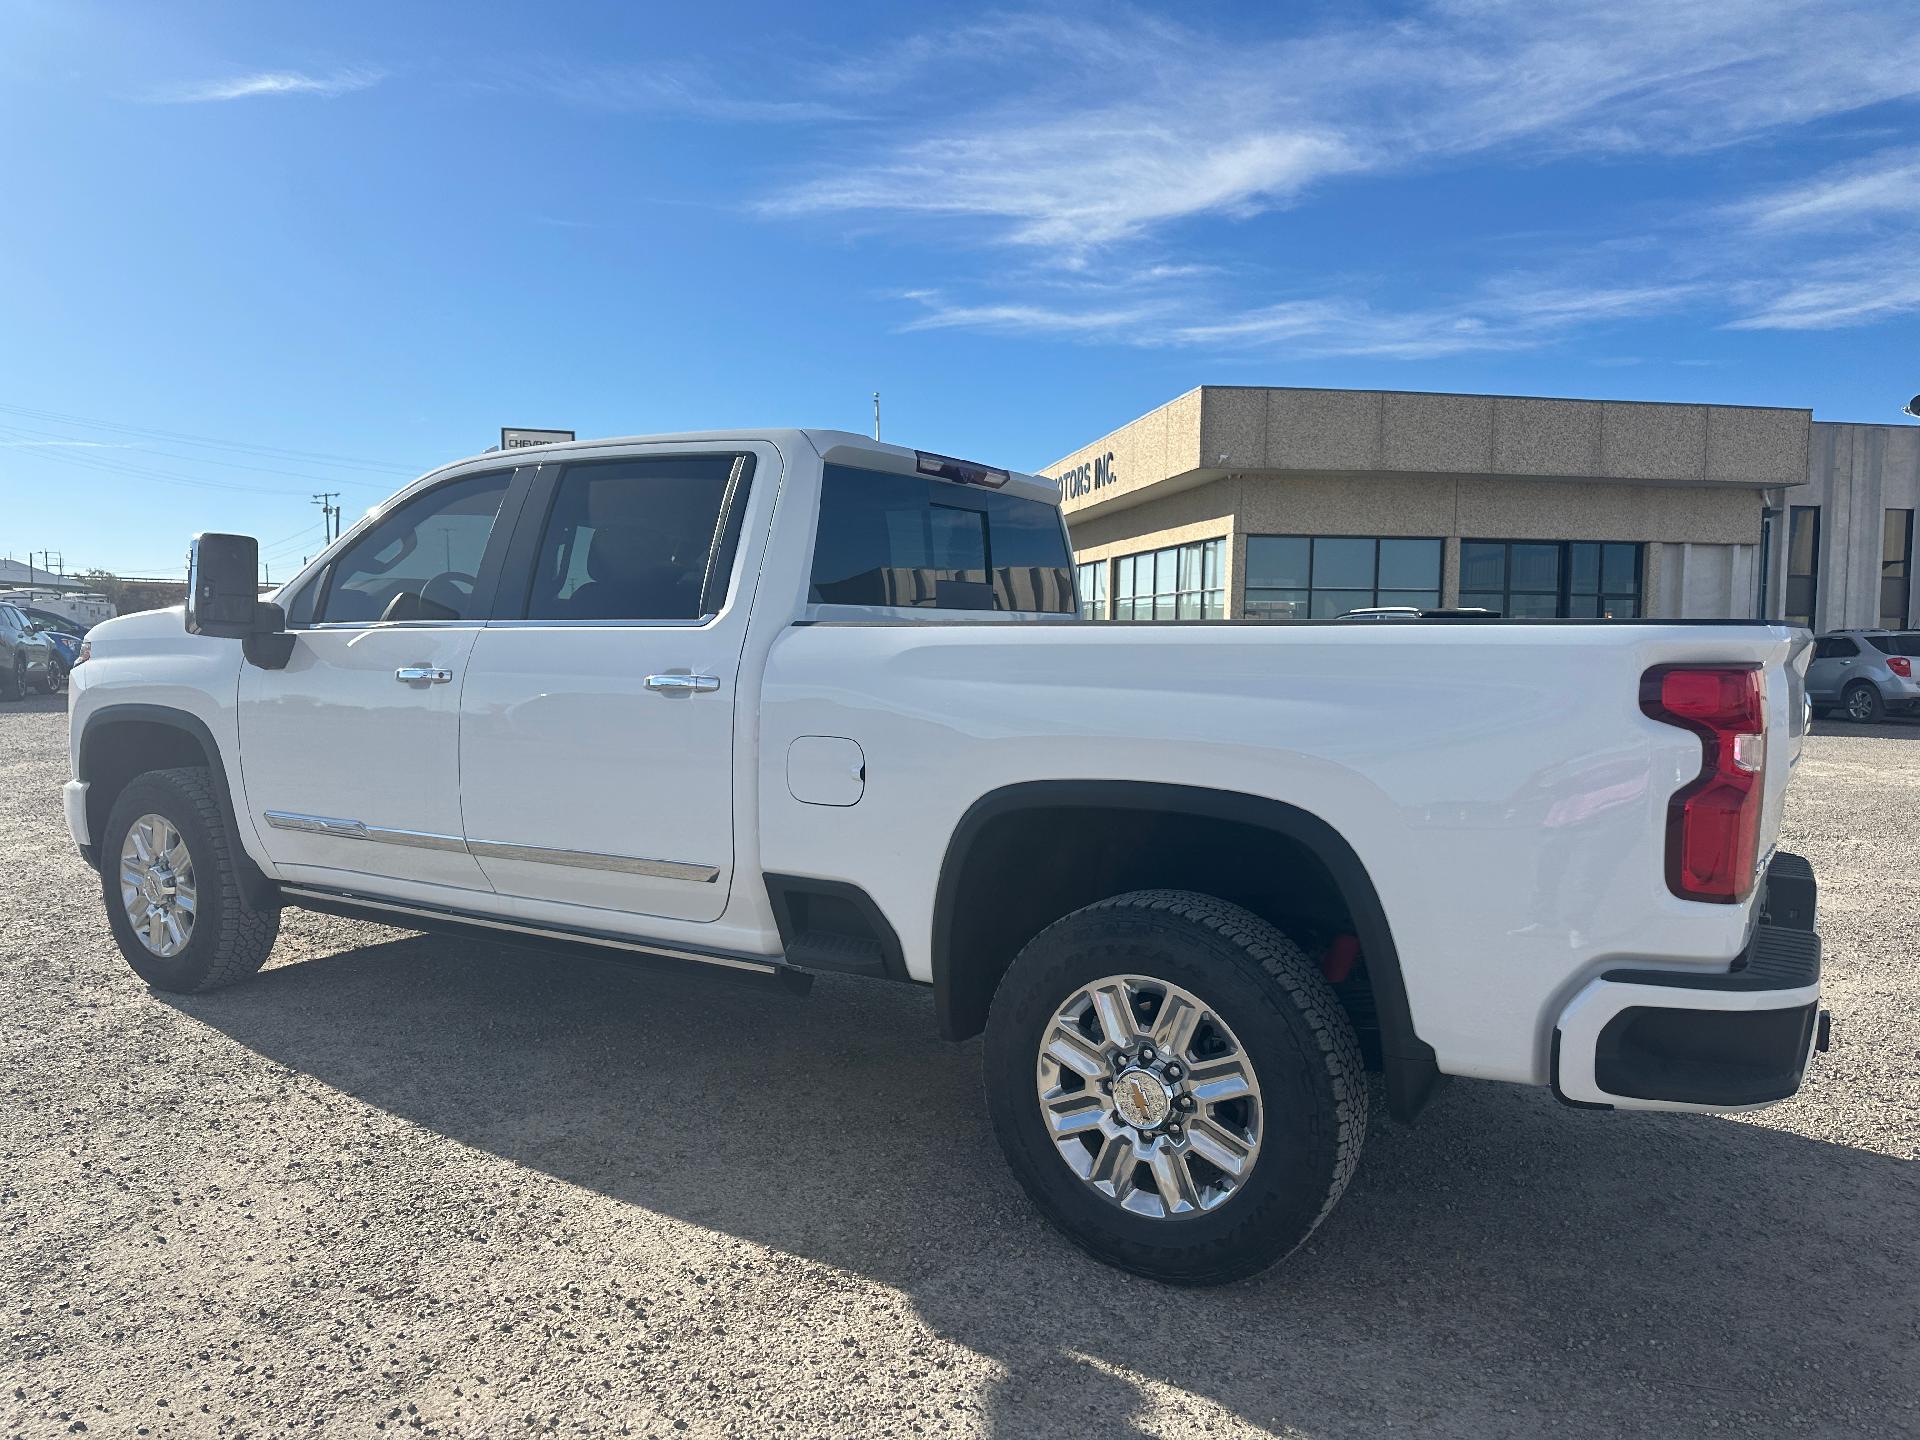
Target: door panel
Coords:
[(335, 737), (351, 753), (623, 793), (596, 741)]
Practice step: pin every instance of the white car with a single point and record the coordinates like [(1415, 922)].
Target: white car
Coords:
[(785, 701)]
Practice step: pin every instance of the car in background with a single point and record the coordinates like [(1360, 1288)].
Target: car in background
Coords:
[(1865, 674), (27, 658)]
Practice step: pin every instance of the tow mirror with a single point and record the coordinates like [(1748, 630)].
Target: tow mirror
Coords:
[(223, 585), (223, 599)]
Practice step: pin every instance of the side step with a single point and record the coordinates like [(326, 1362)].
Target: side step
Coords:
[(622, 950)]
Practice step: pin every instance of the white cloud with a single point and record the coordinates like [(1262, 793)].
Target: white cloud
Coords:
[(1516, 314), (1110, 153), (273, 82), (1884, 186), (1854, 289), (658, 88), (1107, 130)]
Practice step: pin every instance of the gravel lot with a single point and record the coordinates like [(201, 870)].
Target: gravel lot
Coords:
[(408, 1184)]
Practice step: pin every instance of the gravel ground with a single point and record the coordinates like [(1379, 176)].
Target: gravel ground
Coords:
[(411, 1184)]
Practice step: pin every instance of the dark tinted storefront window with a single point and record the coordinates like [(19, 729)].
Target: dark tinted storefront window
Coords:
[(888, 539), (1896, 565), (1533, 579), (1296, 577), (1803, 564)]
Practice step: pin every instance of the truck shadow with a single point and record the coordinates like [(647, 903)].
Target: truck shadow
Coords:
[(1502, 1267)]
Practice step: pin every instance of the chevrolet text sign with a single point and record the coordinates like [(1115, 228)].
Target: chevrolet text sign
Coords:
[(520, 439)]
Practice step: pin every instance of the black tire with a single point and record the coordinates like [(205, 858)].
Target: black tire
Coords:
[(1863, 697), (1299, 1042), (16, 674), (230, 938)]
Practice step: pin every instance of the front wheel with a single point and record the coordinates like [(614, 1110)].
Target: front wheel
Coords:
[(172, 887), (1175, 1085), (1863, 703), (16, 677)]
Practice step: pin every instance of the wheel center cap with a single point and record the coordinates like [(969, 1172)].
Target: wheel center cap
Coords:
[(1142, 1100)]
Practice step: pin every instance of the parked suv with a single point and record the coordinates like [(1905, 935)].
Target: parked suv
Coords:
[(26, 659), (1865, 674)]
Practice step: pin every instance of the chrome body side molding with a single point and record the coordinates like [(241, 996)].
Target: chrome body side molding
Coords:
[(592, 860), (494, 849)]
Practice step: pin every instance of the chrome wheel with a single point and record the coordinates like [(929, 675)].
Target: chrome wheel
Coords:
[(156, 885), (1149, 1097)]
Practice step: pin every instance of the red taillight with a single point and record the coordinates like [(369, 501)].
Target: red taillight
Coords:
[(1713, 823), (1901, 666)]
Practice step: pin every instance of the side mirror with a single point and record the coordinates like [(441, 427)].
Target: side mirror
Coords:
[(223, 599), (223, 585)]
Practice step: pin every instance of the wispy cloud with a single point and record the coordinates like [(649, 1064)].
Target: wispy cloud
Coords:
[(1515, 314), (272, 82), (61, 445), (658, 88), (1854, 289), (1091, 141), (1883, 186), (1112, 128)]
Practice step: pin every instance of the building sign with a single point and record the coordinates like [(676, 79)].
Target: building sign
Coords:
[(1088, 476), (520, 439)]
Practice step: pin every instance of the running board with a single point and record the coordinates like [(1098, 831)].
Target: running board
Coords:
[(587, 944)]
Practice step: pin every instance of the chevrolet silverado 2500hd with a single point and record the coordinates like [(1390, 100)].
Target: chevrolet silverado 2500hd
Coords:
[(784, 701)]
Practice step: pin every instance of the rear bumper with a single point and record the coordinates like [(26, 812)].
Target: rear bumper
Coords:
[(1646, 1039)]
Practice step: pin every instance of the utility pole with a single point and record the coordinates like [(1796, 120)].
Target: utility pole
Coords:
[(876, 414), (329, 514), (47, 565)]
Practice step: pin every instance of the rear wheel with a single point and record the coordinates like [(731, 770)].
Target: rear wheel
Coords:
[(1175, 1085), (1863, 704), (172, 887)]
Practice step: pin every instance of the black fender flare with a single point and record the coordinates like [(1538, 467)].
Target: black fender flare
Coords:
[(1412, 1071), (260, 891)]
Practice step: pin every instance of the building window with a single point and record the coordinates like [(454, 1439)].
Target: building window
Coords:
[(1896, 564), (1091, 583), (1181, 582), (1767, 519), (1803, 564), (1542, 579), (1298, 577)]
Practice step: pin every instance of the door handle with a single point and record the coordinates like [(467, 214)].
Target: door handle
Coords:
[(416, 674), (683, 684)]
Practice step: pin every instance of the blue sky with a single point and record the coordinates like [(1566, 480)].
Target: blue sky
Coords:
[(255, 251)]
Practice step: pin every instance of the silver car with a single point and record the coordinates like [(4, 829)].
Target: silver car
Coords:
[(1865, 674)]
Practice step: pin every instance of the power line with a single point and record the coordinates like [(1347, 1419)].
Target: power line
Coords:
[(252, 467), (183, 437), (113, 467)]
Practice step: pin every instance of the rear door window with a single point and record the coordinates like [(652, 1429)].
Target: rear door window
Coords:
[(888, 539), (640, 540)]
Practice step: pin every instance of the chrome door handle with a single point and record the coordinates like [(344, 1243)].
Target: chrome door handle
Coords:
[(683, 684), (429, 674)]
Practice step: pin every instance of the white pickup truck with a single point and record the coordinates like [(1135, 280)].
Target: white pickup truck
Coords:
[(785, 701)]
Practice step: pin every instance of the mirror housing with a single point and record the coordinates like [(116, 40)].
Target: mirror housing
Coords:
[(223, 599), (223, 585)]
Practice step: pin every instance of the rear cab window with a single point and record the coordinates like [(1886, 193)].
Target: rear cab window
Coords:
[(904, 540)]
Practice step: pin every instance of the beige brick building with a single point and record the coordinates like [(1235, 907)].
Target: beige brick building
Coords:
[(1245, 502)]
